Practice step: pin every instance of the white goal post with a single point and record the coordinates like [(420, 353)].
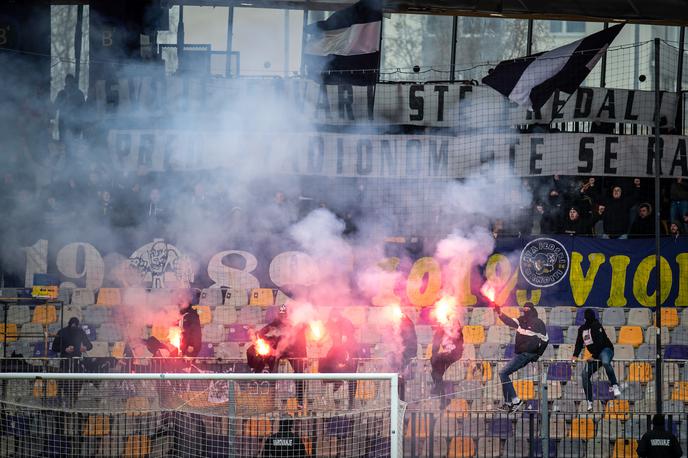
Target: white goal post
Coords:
[(119, 407)]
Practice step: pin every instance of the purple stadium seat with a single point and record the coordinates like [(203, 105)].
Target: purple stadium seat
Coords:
[(559, 372), (676, 352), (580, 318), (90, 331), (39, 351), (531, 406), (499, 427), (338, 426), (271, 313), (238, 333), (556, 335), (207, 351), (600, 390)]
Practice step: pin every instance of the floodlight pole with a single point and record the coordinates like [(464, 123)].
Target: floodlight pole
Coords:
[(658, 257)]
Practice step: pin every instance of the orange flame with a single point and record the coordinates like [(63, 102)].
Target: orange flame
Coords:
[(174, 336), (317, 330), (445, 310), (262, 347), (489, 292)]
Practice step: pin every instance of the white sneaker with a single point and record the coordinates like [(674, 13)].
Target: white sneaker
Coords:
[(589, 406), (616, 390)]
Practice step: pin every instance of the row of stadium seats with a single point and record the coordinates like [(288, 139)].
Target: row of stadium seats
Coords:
[(265, 297)]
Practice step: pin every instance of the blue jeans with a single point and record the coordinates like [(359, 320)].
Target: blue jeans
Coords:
[(593, 366), (678, 209), (517, 362)]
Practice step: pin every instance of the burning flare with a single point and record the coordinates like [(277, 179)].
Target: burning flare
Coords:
[(317, 330), (174, 336), (262, 347), (445, 310), (393, 312), (489, 292)]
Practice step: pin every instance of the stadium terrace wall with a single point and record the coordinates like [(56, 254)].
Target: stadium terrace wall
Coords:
[(552, 271)]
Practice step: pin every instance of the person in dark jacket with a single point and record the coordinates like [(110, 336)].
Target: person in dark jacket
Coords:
[(531, 342), (342, 355), (190, 324), (284, 443), (644, 224), (576, 224), (592, 335), (405, 334), (616, 216), (659, 443), (71, 340), (288, 340), (447, 348)]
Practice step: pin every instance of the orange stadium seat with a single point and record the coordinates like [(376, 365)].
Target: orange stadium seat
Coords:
[(631, 335), (680, 392), (669, 318), (261, 296), (44, 389), (8, 332), (160, 332), (137, 405), (257, 427), (473, 334), (44, 314), (422, 427), (525, 389), (461, 447), (640, 372), (204, 314), (625, 448), (365, 390), (457, 407), (617, 409), (97, 425), (109, 296), (137, 446), (582, 428), (117, 350)]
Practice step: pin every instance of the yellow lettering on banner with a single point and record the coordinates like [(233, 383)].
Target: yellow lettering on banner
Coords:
[(642, 277), (581, 284), (682, 295), (522, 296), (423, 293), (499, 273), (617, 286), (459, 273)]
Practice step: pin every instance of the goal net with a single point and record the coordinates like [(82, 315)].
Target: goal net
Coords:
[(205, 415)]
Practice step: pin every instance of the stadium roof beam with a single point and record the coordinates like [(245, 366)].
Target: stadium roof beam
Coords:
[(659, 12)]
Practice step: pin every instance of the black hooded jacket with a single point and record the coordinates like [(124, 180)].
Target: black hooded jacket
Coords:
[(531, 333), (659, 443), (592, 335), (71, 336), (191, 332)]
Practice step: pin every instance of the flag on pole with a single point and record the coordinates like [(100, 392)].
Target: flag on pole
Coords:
[(530, 81), (345, 48)]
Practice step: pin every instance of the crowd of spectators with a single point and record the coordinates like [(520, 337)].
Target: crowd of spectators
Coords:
[(614, 208)]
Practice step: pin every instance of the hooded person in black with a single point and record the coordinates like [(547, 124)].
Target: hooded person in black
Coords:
[(447, 348), (190, 324), (287, 340), (284, 443), (404, 334), (71, 340), (659, 443), (531, 342), (592, 335), (342, 355)]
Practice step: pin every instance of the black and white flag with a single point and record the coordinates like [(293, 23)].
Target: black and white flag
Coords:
[(530, 81), (345, 48)]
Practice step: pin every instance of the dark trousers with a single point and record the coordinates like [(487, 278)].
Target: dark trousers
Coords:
[(439, 364)]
